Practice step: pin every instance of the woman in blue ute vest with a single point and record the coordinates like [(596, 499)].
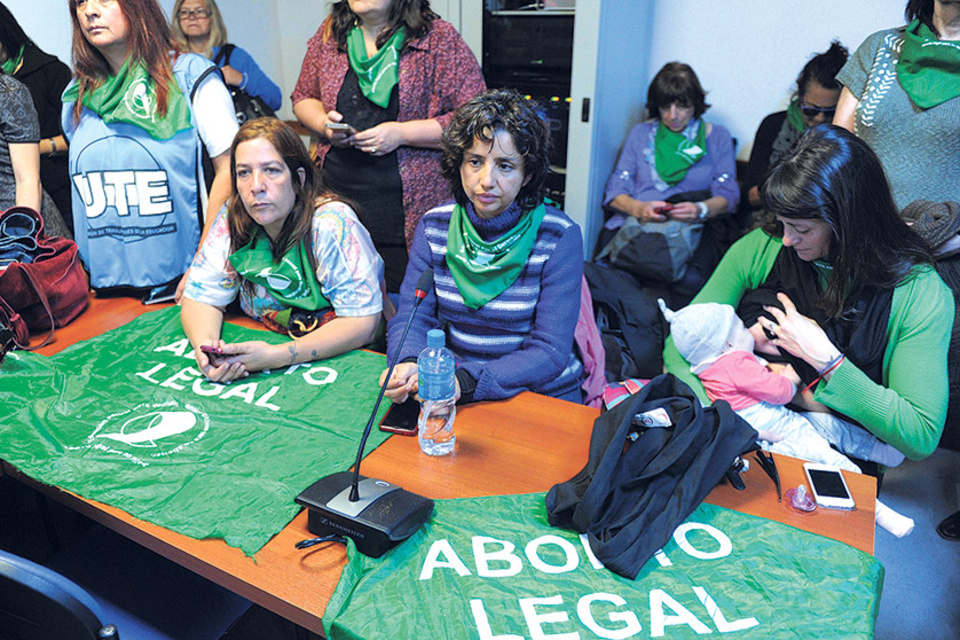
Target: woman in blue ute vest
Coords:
[(134, 115)]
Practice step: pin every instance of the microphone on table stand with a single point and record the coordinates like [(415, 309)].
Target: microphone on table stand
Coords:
[(377, 514)]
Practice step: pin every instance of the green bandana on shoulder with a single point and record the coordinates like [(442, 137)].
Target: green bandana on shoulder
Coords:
[(795, 116), (378, 75), (130, 97), (928, 68), (484, 270), (291, 281), (675, 153)]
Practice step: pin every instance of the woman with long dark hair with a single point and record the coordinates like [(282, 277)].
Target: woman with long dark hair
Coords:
[(380, 81), (136, 115), (846, 290), (286, 246)]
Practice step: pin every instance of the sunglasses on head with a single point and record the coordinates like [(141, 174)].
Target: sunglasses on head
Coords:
[(813, 112)]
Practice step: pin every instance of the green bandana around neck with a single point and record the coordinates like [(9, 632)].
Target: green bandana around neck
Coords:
[(131, 98), (484, 270), (795, 116), (11, 64), (291, 282), (928, 68), (377, 75), (675, 153)]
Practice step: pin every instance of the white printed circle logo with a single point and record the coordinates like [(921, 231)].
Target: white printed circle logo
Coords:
[(152, 430), (139, 100), (145, 430)]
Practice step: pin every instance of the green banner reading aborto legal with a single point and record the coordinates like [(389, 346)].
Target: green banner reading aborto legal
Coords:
[(493, 569), (127, 419)]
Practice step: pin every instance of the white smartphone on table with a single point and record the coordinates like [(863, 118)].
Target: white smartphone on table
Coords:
[(828, 486)]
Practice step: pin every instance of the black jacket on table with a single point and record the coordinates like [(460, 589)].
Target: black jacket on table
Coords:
[(641, 482)]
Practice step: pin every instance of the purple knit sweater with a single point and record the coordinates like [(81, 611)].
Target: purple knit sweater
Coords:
[(522, 340)]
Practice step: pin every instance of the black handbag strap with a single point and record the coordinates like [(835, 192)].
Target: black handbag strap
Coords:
[(223, 56)]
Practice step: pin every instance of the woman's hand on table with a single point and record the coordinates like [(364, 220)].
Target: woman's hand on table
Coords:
[(379, 140), (800, 335), (223, 369), (403, 383)]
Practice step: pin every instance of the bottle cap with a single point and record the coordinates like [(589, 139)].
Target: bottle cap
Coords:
[(436, 338)]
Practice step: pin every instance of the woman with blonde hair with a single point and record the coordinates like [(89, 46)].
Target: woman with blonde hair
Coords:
[(199, 28)]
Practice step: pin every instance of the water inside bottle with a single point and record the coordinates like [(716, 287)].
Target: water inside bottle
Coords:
[(435, 431)]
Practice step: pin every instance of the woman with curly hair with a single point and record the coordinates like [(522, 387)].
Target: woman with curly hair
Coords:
[(507, 266)]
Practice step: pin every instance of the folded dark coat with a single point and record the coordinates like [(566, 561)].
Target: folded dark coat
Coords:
[(641, 482)]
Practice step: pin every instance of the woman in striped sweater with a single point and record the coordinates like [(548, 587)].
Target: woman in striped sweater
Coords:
[(507, 267)]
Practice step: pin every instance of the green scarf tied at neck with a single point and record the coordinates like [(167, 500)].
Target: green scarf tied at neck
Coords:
[(131, 98), (928, 68), (675, 153), (291, 282), (11, 63), (795, 116), (379, 74), (484, 270)]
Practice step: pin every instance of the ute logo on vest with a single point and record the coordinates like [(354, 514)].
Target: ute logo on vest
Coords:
[(149, 430)]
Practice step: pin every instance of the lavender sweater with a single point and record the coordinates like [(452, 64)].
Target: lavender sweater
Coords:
[(522, 340)]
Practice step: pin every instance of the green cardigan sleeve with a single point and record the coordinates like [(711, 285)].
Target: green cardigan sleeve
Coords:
[(909, 409), (745, 265)]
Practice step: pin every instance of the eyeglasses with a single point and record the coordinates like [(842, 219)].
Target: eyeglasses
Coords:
[(193, 14), (813, 112)]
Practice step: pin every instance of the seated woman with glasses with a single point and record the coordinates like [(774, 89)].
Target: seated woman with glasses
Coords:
[(814, 102), (198, 28)]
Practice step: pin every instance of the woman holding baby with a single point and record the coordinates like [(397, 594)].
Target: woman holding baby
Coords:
[(846, 291)]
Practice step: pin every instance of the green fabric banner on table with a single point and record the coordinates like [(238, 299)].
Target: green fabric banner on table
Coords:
[(127, 419), (493, 569)]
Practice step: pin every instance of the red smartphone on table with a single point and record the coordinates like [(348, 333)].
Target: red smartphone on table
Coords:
[(401, 418)]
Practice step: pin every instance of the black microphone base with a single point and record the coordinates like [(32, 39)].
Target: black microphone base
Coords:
[(384, 516)]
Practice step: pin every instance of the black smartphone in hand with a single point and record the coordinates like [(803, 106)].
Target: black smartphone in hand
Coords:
[(402, 418)]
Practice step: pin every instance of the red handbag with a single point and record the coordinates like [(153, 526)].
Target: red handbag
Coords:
[(41, 278)]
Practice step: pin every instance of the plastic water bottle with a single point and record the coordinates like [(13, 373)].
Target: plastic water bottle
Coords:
[(436, 372)]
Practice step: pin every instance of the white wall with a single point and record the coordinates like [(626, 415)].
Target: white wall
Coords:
[(747, 52)]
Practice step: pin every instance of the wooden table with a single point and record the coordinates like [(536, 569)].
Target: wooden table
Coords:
[(526, 444)]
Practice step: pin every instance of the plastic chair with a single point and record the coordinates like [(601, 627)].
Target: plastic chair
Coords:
[(37, 603), (115, 580)]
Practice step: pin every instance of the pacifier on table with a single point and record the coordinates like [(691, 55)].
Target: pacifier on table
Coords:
[(801, 500)]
